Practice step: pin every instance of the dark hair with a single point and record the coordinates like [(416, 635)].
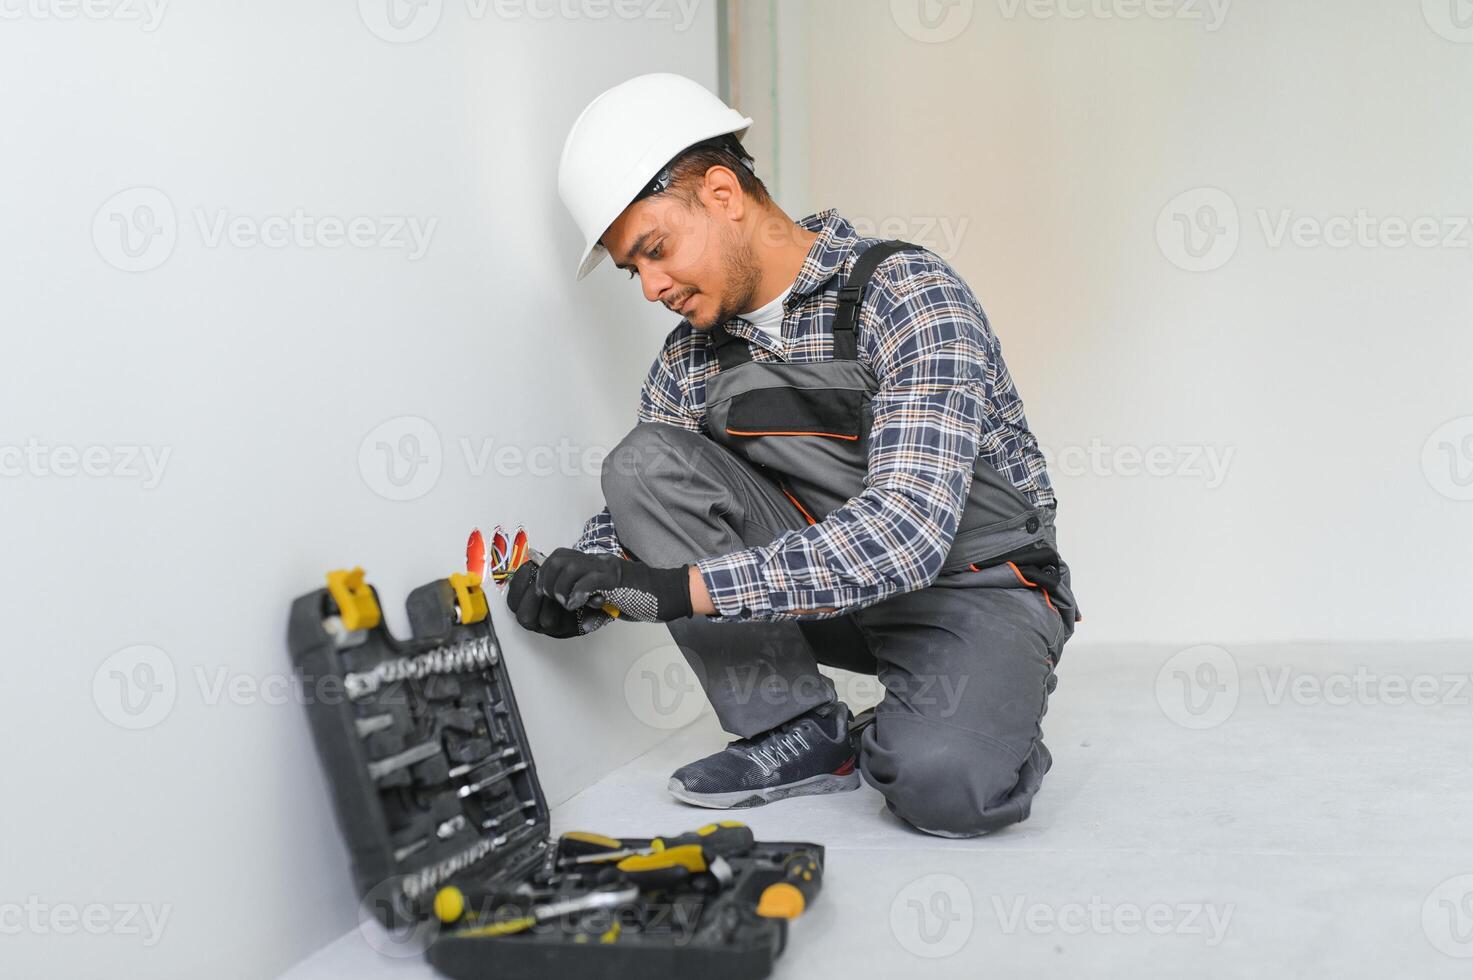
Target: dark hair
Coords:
[(691, 163)]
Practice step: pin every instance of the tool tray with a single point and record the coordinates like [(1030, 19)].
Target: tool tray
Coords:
[(433, 785)]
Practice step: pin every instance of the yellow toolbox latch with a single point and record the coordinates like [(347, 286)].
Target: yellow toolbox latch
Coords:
[(469, 598), (357, 607)]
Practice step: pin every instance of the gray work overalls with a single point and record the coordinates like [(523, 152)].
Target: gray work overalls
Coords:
[(967, 663), (807, 427)]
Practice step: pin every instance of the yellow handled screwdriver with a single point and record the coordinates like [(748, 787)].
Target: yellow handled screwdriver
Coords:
[(602, 899), (724, 838)]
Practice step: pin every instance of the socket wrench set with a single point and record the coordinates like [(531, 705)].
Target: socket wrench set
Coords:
[(436, 796)]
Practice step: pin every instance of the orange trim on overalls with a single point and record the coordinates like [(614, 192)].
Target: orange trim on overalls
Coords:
[(1032, 585), (801, 509)]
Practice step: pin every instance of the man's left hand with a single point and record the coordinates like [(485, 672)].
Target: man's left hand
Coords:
[(640, 592)]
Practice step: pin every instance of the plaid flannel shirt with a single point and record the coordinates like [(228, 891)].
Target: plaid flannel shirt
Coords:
[(944, 399)]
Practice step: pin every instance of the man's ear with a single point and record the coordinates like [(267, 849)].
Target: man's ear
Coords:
[(724, 191)]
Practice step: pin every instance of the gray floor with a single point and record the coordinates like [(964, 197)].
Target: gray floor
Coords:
[(1286, 812)]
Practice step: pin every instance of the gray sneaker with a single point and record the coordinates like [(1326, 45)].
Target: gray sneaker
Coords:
[(811, 754)]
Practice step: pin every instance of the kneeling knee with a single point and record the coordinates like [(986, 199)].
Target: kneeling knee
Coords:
[(645, 449), (958, 787)]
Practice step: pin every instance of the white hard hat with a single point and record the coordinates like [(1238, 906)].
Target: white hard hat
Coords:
[(623, 138)]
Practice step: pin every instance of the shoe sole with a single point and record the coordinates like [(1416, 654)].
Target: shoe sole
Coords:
[(741, 799)]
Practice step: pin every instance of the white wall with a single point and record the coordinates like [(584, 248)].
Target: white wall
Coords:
[(261, 371), (1037, 151)]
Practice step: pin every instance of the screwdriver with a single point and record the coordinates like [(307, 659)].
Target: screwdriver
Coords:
[(786, 899), (671, 868), (602, 899), (725, 838), (476, 787)]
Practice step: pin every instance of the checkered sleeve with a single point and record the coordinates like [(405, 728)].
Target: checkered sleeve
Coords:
[(661, 399), (929, 345)]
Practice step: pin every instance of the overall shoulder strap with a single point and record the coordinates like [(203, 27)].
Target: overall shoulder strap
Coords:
[(851, 294), (730, 351)]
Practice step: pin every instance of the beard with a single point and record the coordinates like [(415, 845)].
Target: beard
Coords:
[(740, 288)]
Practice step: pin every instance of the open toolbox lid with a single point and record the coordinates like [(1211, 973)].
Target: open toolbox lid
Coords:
[(424, 749)]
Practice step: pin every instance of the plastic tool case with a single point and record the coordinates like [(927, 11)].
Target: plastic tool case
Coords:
[(433, 785)]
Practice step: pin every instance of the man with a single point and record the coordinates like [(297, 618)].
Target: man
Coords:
[(831, 465)]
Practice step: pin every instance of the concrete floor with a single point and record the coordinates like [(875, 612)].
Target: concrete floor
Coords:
[(1299, 811)]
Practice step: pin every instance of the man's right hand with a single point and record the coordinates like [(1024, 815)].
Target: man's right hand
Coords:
[(543, 614)]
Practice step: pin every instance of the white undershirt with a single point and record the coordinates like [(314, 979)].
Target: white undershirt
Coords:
[(769, 317)]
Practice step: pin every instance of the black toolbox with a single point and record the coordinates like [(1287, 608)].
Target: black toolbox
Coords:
[(436, 793)]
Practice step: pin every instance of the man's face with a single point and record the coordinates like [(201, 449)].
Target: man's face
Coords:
[(691, 257)]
